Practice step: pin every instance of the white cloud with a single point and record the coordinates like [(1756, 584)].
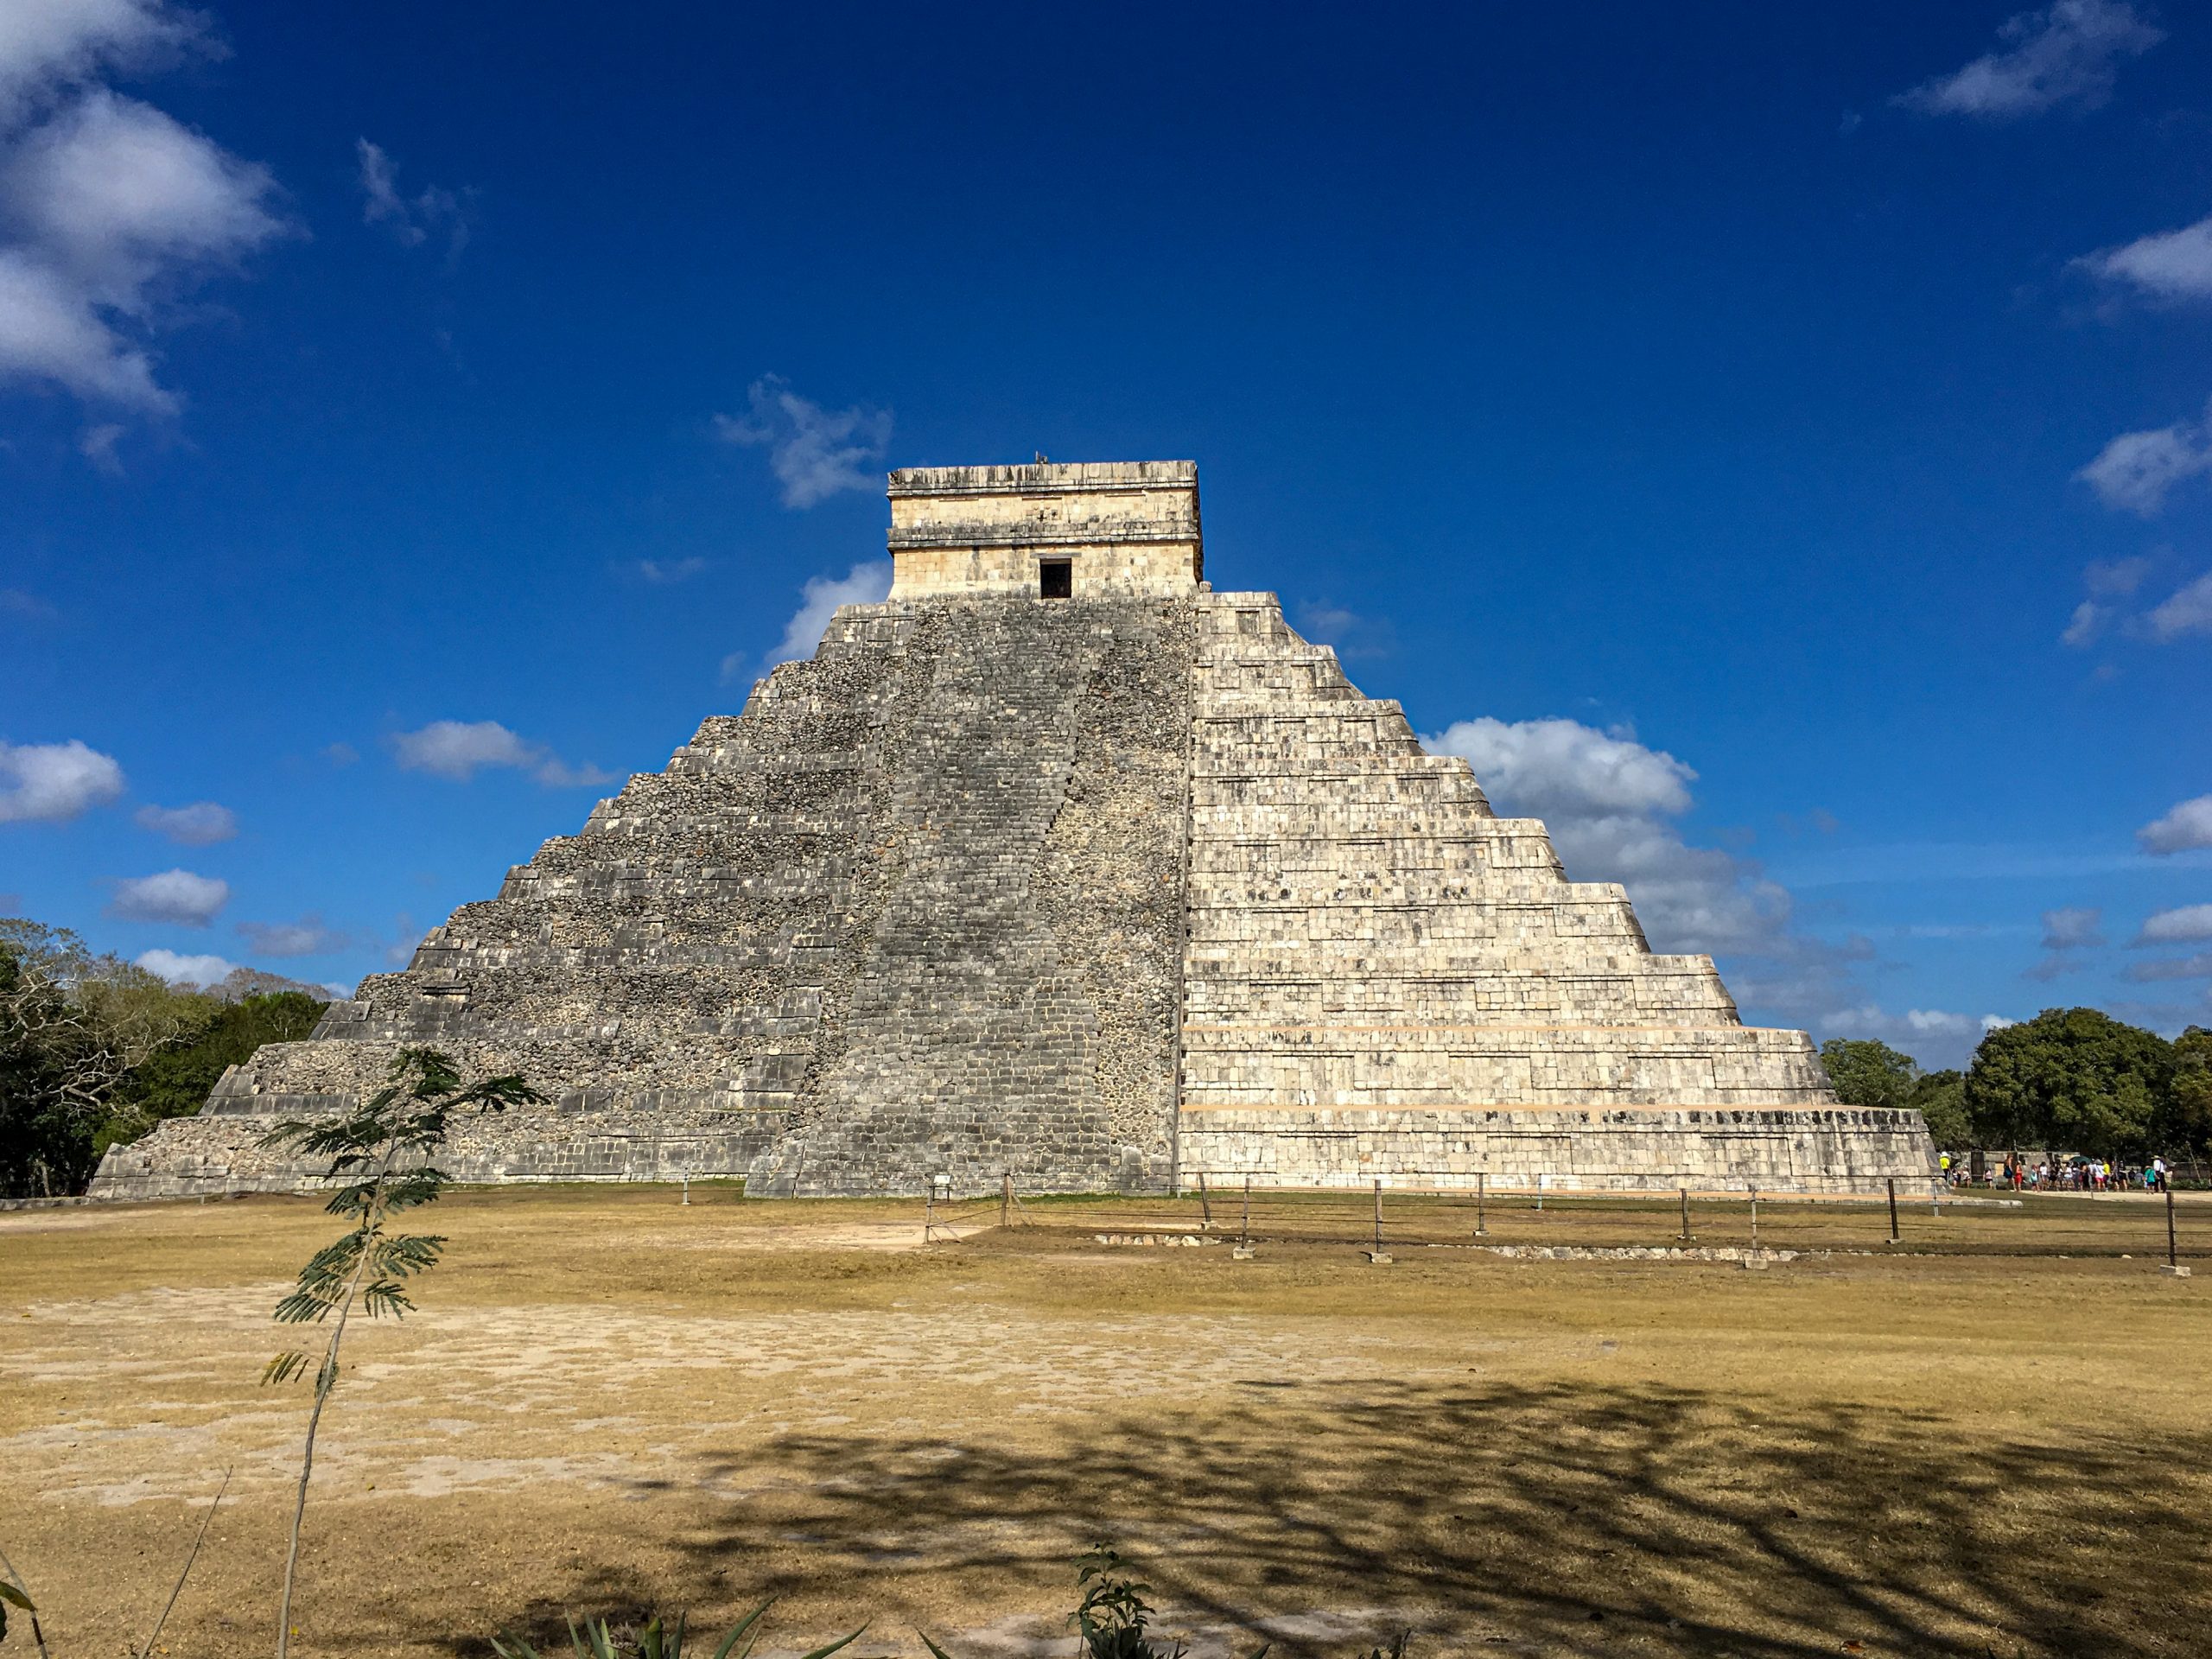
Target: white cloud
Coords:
[(2114, 578), (2186, 610), (813, 452), (180, 969), (2189, 610), (665, 573), (48, 47), (2072, 928), (2188, 826), (2065, 54), (2086, 623), (1933, 1020), (1604, 798), (1936, 1038), (2135, 471), (411, 220), (339, 754), (2171, 968), (2169, 265), (1351, 634), (16, 603), (1563, 769), (110, 207), (458, 749), (97, 444), (112, 191), (176, 896), (53, 783), (197, 826), (49, 330), (306, 937), (406, 939), (2188, 925), (865, 584)]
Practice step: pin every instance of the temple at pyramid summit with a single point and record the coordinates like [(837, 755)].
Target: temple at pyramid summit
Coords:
[(1058, 864)]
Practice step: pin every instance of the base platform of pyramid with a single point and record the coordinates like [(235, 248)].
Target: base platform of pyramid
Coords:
[(1058, 865)]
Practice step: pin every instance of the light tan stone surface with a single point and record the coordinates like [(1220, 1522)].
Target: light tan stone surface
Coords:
[(1377, 962), (1123, 527)]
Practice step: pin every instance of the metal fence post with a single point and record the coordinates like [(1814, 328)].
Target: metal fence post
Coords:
[(1686, 1214), (1481, 1180), (1205, 1205), (1893, 1209)]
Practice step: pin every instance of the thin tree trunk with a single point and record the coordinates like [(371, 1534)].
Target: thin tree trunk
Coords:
[(326, 1380), (197, 1538)]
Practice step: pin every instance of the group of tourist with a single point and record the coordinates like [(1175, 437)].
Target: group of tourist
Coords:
[(2079, 1175)]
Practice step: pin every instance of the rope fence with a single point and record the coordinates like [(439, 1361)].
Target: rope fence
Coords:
[(1386, 1223)]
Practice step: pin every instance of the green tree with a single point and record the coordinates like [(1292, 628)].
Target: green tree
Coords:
[(2072, 1079), (1940, 1098), (2185, 1124), (1869, 1073), (72, 1026)]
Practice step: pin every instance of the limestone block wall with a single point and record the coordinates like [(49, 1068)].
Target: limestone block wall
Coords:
[(1365, 930), (1015, 1012), (1831, 1149), (221, 1153), (1385, 980), (1125, 527), (1099, 569)]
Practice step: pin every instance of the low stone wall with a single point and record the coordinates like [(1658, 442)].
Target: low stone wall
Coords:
[(201, 1157), (1833, 1149)]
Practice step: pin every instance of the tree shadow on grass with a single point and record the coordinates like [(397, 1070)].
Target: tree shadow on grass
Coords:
[(1582, 1518)]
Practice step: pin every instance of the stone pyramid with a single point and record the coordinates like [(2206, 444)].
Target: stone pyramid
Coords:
[(1059, 864)]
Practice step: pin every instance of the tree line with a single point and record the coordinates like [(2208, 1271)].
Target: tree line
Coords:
[(2070, 1079), (95, 1050)]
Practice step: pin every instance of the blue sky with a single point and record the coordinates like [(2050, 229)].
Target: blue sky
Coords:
[(1771, 442)]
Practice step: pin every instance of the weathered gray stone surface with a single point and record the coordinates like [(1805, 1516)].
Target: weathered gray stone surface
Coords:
[(1097, 891)]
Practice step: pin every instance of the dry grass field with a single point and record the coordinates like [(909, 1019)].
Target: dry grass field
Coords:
[(610, 1402)]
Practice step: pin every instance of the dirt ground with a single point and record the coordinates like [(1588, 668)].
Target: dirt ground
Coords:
[(610, 1402)]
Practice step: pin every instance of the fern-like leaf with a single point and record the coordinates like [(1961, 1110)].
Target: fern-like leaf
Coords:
[(383, 1297)]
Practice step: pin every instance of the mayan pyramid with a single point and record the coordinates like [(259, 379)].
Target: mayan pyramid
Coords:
[(1060, 864)]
